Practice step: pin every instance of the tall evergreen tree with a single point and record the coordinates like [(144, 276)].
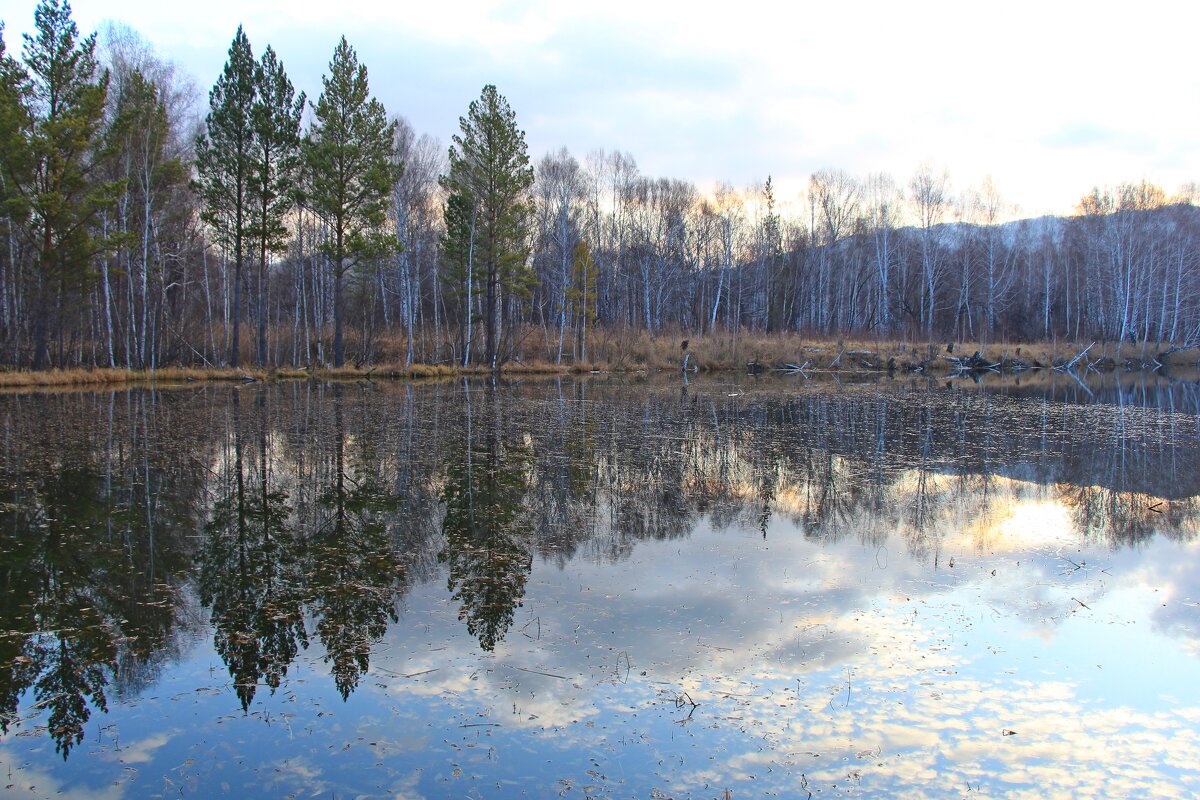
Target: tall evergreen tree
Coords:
[(13, 116), (225, 165), (457, 245), (13, 162), (52, 194), (490, 162), (351, 169), (276, 168)]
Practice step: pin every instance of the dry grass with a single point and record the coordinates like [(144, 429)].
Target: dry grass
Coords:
[(66, 377), (724, 351), (83, 377), (638, 351), (623, 350)]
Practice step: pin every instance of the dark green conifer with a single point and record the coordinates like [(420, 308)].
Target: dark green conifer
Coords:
[(225, 166), (490, 162), (351, 168)]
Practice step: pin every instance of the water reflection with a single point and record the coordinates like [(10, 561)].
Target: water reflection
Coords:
[(488, 539), (252, 562), (270, 572), (304, 517), (89, 585), (356, 572)]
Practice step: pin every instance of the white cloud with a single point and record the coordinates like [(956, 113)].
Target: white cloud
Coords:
[(737, 92)]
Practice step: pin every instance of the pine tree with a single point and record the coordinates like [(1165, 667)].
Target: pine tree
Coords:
[(225, 167), (51, 192), (12, 161), (490, 162), (13, 153), (772, 256), (459, 268), (13, 116), (351, 169), (275, 164)]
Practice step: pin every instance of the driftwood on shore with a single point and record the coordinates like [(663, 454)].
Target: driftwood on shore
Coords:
[(937, 360), (973, 363), (1070, 365)]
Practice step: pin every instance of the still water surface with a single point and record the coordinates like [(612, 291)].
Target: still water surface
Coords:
[(607, 588)]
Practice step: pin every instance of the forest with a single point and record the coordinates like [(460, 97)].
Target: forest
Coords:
[(143, 227)]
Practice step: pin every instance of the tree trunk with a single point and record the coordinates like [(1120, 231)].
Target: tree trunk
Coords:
[(492, 279), (338, 349), (261, 352), (338, 273), (235, 312)]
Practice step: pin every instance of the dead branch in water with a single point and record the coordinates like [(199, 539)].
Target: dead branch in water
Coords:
[(1070, 365)]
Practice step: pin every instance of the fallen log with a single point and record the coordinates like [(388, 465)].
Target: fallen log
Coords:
[(1070, 365), (973, 363)]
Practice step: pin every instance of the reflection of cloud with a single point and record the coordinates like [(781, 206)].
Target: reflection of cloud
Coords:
[(297, 772), (406, 787), (1174, 570), (141, 751), (25, 783), (917, 742), (900, 679), (859, 649)]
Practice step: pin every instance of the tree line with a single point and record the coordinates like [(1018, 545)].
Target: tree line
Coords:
[(137, 235)]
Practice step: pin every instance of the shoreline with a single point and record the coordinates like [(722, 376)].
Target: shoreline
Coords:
[(708, 355)]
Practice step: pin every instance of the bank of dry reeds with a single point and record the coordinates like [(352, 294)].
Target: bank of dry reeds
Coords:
[(640, 351)]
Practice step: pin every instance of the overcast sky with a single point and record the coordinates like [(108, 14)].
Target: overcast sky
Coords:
[(1049, 98)]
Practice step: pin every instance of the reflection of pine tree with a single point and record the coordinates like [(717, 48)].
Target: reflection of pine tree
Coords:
[(77, 671), (91, 549), (18, 669), (355, 572), (53, 580), (488, 548), (249, 573)]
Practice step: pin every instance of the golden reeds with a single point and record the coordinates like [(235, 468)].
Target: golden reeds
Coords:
[(641, 351)]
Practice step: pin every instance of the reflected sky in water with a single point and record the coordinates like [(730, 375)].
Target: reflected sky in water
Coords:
[(609, 588)]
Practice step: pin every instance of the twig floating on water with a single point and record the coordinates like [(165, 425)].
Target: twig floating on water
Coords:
[(685, 699), (409, 675), (538, 672)]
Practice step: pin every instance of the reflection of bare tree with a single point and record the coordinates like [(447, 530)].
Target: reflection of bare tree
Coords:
[(415, 526), (924, 501), (561, 500), (1122, 519)]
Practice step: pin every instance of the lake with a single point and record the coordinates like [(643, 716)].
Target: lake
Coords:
[(613, 587)]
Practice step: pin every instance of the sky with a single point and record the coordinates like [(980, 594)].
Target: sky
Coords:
[(1047, 98)]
